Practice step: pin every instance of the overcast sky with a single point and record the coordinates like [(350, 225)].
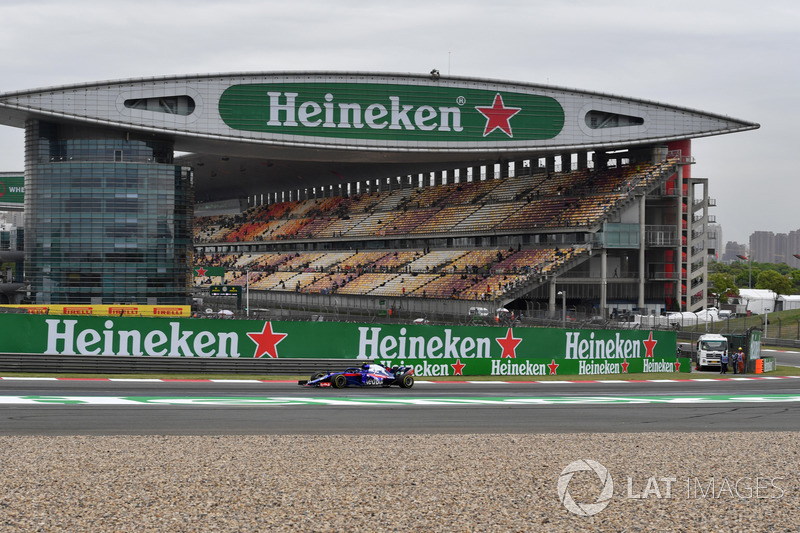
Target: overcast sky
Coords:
[(731, 57)]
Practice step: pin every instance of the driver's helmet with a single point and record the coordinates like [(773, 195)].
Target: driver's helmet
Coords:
[(365, 366)]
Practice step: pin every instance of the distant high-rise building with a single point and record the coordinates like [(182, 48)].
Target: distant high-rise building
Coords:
[(780, 248), (732, 250), (769, 247), (792, 248), (762, 246)]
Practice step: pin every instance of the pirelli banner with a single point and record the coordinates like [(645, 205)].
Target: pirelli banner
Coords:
[(106, 310), (433, 350)]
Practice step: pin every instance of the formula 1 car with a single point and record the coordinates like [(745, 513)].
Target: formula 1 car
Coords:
[(367, 375)]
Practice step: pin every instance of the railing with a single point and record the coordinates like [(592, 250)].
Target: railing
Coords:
[(775, 328), (661, 236)]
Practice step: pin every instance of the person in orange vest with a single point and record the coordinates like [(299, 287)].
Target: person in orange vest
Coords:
[(738, 359)]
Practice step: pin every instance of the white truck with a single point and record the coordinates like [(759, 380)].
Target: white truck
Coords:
[(710, 348)]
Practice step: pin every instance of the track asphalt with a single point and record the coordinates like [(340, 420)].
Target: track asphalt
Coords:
[(37, 406)]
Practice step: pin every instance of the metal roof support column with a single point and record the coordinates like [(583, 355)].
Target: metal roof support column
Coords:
[(550, 164), (551, 305), (641, 252), (600, 161), (604, 282), (503, 170), (566, 162), (583, 160)]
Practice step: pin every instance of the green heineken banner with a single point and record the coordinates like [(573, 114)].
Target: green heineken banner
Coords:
[(12, 190), (543, 367), (433, 350), (380, 111), (209, 271)]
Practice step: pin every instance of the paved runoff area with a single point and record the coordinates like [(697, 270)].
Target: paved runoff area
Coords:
[(553, 482)]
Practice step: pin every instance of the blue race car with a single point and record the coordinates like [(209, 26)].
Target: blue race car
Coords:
[(367, 375)]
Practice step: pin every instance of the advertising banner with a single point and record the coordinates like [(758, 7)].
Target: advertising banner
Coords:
[(201, 271), (106, 310), (12, 191), (397, 112), (433, 350)]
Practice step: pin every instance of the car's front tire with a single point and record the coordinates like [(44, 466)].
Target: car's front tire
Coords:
[(318, 375)]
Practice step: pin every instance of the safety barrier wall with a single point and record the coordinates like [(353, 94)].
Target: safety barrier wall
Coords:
[(432, 350), (92, 364)]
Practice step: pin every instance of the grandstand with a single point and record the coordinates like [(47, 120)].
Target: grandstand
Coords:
[(503, 240), (369, 191)]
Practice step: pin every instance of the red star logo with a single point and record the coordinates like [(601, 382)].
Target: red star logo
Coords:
[(201, 271), (625, 364), (458, 367), (553, 366), (509, 345), (677, 366), (649, 345), (498, 116), (266, 341)]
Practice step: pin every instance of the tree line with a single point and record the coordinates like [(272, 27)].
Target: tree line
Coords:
[(726, 280)]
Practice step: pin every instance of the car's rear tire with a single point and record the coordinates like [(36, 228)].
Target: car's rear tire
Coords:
[(339, 381), (406, 382)]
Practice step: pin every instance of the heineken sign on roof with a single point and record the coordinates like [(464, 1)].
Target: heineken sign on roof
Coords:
[(393, 112), (337, 116)]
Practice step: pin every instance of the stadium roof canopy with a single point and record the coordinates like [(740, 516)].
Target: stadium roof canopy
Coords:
[(251, 133)]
